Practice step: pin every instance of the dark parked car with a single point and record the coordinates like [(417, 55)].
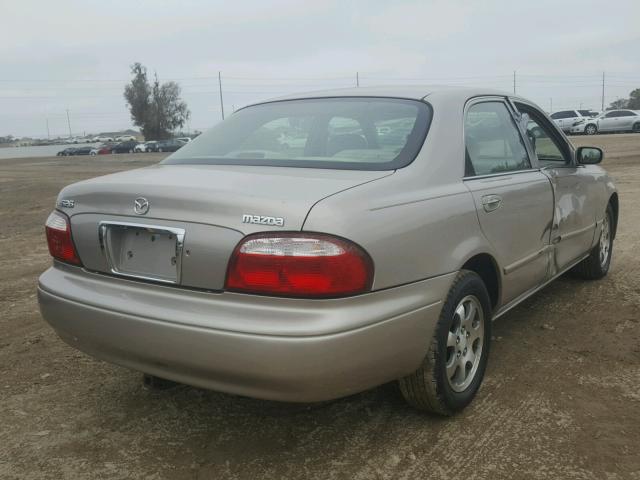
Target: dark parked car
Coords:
[(66, 152), (82, 151), (124, 147), (169, 145)]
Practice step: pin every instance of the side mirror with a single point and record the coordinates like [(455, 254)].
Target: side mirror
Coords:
[(589, 155)]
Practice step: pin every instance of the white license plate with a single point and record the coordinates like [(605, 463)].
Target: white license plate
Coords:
[(143, 251)]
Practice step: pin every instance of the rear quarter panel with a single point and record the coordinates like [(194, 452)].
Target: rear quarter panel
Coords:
[(410, 235)]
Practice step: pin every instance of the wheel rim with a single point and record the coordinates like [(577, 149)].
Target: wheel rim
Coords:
[(591, 130), (464, 343), (605, 241)]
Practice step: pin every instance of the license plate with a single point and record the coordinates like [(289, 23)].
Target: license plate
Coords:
[(143, 251)]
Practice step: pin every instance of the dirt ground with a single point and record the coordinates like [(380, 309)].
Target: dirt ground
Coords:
[(561, 398)]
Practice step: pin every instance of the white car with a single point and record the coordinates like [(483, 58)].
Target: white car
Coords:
[(146, 147), (126, 138), (573, 121), (102, 139), (184, 139), (623, 120)]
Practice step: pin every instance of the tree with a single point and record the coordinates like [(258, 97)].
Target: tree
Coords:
[(617, 104), (634, 100), (156, 108)]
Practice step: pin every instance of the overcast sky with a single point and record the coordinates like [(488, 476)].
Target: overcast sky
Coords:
[(75, 55)]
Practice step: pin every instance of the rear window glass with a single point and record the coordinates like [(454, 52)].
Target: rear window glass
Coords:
[(357, 133)]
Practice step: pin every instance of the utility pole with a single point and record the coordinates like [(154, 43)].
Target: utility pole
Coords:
[(602, 109), (514, 82), (220, 87), (48, 135), (357, 79), (69, 123)]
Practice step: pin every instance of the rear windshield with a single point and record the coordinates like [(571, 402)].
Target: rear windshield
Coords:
[(355, 133)]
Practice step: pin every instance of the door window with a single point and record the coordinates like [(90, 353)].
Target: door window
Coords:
[(493, 143), (564, 114), (543, 142)]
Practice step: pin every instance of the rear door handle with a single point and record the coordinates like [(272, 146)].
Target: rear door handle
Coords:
[(491, 202)]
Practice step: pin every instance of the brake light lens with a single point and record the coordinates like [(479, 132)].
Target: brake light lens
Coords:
[(58, 229), (299, 265)]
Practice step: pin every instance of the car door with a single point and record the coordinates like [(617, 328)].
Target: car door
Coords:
[(557, 118), (574, 118), (575, 191), (513, 199), (609, 122), (626, 120), (562, 119)]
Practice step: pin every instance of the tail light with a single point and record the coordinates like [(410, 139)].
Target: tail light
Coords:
[(61, 246), (299, 265)]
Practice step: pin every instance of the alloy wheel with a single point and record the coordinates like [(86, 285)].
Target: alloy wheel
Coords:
[(464, 343)]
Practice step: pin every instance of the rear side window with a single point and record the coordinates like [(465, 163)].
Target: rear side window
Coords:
[(492, 141), (355, 133), (563, 114)]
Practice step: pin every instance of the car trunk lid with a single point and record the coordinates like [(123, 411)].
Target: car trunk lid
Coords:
[(213, 205)]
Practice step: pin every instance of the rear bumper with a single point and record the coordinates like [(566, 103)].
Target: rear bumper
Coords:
[(272, 348)]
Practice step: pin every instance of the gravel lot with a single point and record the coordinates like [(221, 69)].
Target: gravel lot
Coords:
[(561, 399)]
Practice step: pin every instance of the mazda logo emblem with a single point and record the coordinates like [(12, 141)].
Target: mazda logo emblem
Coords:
[(141, 205)]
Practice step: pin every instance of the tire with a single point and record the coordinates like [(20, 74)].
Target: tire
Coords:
[(597, 264), (160, 149), (591, 129), (636, 127), (443, 390)]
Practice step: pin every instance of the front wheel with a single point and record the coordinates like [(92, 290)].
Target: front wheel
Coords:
[(597, 264), (636, 127), (591, 129), (453, 369)]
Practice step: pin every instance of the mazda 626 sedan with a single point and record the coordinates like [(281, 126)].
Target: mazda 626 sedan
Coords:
[(319, 245)]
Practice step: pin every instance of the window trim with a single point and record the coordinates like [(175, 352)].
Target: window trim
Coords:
[(555, 132), (506, 101)]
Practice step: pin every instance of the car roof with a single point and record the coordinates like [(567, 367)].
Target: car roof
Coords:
[(414, 92)]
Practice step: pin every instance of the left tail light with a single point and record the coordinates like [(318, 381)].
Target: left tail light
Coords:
[(61, 247)]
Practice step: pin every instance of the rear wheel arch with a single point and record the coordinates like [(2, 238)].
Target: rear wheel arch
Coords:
[(487, 269)]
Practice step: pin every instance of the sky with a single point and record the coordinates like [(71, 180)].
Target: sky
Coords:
[(75, 56)]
